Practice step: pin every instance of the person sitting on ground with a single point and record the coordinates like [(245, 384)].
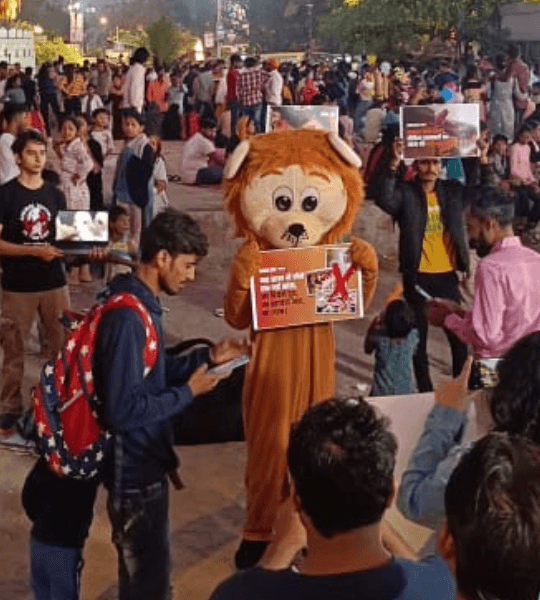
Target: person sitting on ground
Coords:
[(492, 532), (341, 461), (199, 148), (394, 338), (512, 407)]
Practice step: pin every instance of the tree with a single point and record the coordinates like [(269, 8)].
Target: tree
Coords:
[(164, 40), (50, 50)]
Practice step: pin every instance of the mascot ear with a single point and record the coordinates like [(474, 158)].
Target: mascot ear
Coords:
[(236, 160), (345, 151)]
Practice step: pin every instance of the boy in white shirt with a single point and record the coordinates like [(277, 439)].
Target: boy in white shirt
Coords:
[(101, 131)]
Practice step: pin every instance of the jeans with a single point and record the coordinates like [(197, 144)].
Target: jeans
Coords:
[(255, 114), (55, 571), (140, 524), (234, 107), (72, 106), (209, 176), (438, 285), (49, 100)]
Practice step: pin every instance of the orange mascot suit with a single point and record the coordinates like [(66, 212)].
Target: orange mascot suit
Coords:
[(285, 190)]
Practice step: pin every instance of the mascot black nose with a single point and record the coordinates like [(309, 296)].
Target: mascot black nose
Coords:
[(297, 230)]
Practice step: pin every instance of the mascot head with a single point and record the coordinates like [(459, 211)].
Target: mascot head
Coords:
[(293, 188)]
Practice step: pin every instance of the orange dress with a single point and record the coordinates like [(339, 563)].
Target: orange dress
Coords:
[(290, 371)]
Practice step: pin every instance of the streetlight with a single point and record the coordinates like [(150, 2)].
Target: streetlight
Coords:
[(309, 7), (38, 29), (103, 20)]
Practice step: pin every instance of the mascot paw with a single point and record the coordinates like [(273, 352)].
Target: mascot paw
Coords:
[(364, 257), (248, 262)]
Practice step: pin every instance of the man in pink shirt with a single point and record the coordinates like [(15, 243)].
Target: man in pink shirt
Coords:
[(507, 296)]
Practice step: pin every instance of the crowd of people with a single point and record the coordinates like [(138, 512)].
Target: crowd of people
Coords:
[(457, 225)]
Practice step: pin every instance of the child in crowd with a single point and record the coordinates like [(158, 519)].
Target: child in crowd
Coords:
[(61, 509), (133, 185), (159, 177), (75, 166), (90, 102), (498, 155), (14, 91), (394, 338), (94, 179), (526, 186), (101, 132), (121, 252)]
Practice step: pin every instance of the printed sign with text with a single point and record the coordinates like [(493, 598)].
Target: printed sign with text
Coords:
[(304, 286), (440, 130)]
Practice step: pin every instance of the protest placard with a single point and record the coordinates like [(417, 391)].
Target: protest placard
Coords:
[(306, 285), (440, 130), (285, 118)]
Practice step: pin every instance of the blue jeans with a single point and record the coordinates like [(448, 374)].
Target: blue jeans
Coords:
[(255, 114), (55, 571), (234, 107), (140, 524)]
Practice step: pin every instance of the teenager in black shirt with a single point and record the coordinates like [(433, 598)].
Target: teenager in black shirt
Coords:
[(33, 280)]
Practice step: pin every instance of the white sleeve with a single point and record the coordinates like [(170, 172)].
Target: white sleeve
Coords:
[(160, 171), (8, 168)]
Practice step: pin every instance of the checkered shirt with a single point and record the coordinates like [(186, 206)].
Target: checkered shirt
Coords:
[(250, 87)]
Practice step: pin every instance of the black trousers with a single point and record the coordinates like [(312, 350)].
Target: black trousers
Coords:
[(438, 285)]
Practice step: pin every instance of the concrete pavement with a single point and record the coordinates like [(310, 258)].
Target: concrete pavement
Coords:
[(206, 517)]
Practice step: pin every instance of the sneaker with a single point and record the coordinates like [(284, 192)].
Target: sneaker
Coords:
[(249, 554), (16, 442), (7, 424)]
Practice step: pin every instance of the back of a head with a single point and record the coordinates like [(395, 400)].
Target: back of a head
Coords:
[(175, 232), (492, 202), (514, 402), (341, 457), (12, 111), (250, 62), (140, 55), (399, 319), (493, 510), (513, 51)]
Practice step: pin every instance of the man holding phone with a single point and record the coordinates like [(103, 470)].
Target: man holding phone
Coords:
[(506, 303), (432, 245)]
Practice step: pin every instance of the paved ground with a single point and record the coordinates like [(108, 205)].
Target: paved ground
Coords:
[(206, 517)]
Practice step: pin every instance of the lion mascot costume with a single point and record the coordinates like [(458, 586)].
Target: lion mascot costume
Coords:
[(286, 190)]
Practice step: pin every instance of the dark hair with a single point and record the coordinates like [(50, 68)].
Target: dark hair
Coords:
[(235, 59), (99, 111), (319, 100), (500, 137), (30, 136), (70, 120), (526, 127), (514, 51), (28, 71), (134, 114), (208, 124), (341, 457), (490, 202), (399, 319), (140, 56), (175, 232), (515, 401), (250, 62), (115, 212), (492, 505), (12, 110)]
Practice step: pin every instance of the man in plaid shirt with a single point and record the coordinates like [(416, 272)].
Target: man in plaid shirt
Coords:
[(250, 91)]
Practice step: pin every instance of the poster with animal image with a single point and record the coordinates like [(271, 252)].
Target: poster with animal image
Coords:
[(303, 286), (285, 118), (440, 130)]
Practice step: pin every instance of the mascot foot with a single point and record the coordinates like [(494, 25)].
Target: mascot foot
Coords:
[(249, 553)]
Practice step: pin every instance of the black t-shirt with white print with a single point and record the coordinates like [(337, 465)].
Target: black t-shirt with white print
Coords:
[(28, 217)]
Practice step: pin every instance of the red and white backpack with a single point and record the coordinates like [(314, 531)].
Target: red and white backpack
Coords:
[(69, 434)]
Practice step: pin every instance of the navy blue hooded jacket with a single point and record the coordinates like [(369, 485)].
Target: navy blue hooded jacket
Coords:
[(135, 408)]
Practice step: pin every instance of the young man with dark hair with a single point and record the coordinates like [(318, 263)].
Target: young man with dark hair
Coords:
[(492, 537), (137, 405), (432, 242), (341, 461), (250, 89), (507, 283), (13, 119), (33, 279), (134, 85)]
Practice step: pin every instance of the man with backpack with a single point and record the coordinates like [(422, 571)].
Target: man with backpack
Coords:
[(137, 405)]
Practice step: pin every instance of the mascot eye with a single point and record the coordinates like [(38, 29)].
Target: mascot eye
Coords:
[(310, 200), (283, 199)]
